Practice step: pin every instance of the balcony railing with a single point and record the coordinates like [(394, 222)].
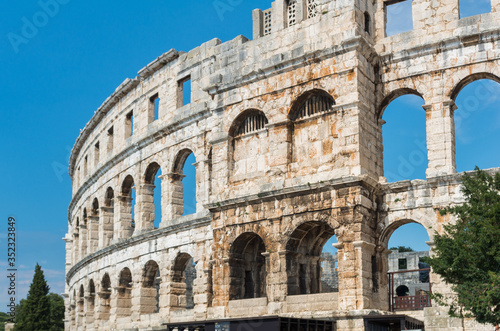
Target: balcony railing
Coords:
[(418, 300)]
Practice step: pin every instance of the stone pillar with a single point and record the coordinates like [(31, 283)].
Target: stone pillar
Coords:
[(93, 233), (69, 251), (174, 203), (90, 309), (440, 128), (136, 297), (202, 182), (76, 247), (347, 276), (106, 227), (202, 289), (145, 208), (258, 23), (113, 302), (103, 310), (123, 217), (364, 284), (279, 14), (148, 299), (380, 293)]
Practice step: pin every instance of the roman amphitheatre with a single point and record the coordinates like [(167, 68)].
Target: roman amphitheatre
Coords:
[(285, 134)]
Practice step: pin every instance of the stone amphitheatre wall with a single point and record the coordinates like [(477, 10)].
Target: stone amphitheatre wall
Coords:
[(286, 130)]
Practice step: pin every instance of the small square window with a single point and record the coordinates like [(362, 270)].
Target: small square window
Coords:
[(399, 18), (184, 92), (402, 264)]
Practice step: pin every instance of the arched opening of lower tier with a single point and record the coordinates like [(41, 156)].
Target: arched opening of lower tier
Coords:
[(107, 222), (104, 310), (182, 282), (150, 292), (124, 302), (90, 303), (304, 257), (404, 137), (477, 122), (151, 197), (247, 265), (409, 275), (127, 207), (182, 192)]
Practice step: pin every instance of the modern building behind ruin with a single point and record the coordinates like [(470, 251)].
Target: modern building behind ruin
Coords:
[(287, 134)]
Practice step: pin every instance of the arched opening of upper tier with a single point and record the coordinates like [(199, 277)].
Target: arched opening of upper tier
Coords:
[(477, 122), (81, 302), (183, 276), (183, 188), (153, 192), (150, 292), (304, 255), (93, 227), (90, 303), (248, 270), (404, 136), (76, 240), (127, 212), (84, 234), (313, 133), (105, 298), (124, 302), (249, 145), (409, 281), (108, 222)]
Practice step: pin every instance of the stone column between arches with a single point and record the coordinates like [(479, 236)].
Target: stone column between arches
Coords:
[(145, 208), (440, 129), (106, 227), (93, 233), (123, 217)]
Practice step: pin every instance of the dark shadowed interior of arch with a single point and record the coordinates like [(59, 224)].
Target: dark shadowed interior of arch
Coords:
[(189, 185), (124, 293), (105, 297), (151, 288), (81, 296), (477, 125), (183, 276), (91, 301), (304, 260), (247, 268), (404, 139)]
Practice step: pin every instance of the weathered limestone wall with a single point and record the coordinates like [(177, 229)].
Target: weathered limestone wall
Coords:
[(286, 130)]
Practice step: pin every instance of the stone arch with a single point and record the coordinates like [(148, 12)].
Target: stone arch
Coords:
[(125, 284), (183, 274), (127, 207), (150, 173), (104, 311), (303, 256), (250, 120), (109, 197), (150, 198), (464, 81), (311, 102), (76, 240), (393, 96), (176, 202), (90, 302), (387, 231), (93, 226), (81, 301), (150, 291), (248, 269), (107, 227), (84, 234)]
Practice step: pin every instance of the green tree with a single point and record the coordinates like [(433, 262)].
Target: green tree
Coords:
[(402, 249), (34, 312), (467, 254), (56, 312), (3, 318)]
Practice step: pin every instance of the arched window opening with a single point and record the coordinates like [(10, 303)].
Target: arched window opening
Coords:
[(81, 300), (311, 103), (248, 268), (108, 217), (183, 191), (409, 284), (304, 252), (73, 308), (124, 303), (152, 192), (105, 298), (367, 23), (95, 207), (252, 122), (127, 216), (84, 234), (183, 276), (476, 125), (150, 292), (90, 303), (249, 145), (471, 8), (76, 241), (404, 139), (93, 227)]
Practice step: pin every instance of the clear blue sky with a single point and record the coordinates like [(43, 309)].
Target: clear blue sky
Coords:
[(53, 79)]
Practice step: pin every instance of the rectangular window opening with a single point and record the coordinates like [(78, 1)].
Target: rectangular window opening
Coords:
[(129, 125), (184, 91), (85, 165), (402, 264), (399, 17), (110, 140), (469, 8), (96, 154), (154, 107)]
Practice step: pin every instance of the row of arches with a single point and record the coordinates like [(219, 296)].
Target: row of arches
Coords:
[(114, 295), (470, 129), (136, 206)]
